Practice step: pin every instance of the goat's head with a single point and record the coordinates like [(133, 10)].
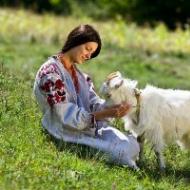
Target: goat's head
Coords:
[(118, 89)]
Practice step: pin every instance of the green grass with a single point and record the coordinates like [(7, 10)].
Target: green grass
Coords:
[(29, 159)]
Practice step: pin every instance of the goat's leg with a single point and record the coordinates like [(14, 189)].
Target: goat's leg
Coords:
[(160, 159), (140, 140)]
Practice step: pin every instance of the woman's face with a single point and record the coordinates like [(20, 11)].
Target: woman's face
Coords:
[(83, 52)]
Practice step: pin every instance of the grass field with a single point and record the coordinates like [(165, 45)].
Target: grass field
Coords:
[(29, 159)]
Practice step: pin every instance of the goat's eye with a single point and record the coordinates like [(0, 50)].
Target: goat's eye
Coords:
[(117, 86), (107, 83)]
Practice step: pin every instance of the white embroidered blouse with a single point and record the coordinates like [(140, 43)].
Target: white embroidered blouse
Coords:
[(65, 112)]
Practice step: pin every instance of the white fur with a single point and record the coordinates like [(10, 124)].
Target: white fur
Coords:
[(164, 113)]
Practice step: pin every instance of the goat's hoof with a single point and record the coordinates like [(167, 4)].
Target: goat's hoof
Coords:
[(136, 168), (141, 162), (186, 180), (162, 170)]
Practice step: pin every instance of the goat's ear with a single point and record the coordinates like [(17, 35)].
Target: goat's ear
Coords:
[(118, 85), (133, 83)]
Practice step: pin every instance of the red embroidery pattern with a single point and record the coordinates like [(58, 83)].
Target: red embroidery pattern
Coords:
[(75, 79), (55, 91), (47, 69), (72, 72), (89, 81)]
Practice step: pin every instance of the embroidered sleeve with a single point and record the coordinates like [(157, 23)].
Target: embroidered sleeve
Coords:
[(96, 103), (54, 89), (51, 84), (68, 113)]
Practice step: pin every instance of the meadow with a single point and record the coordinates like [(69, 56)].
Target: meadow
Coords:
[(29, 158)]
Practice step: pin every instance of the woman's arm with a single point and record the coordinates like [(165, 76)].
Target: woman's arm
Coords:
[(115, 111), (96, 103), (52, 87)]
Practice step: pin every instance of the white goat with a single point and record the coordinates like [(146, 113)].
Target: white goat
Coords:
[(159, 115)]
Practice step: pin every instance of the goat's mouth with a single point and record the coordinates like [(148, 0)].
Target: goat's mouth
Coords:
[(108, 96)]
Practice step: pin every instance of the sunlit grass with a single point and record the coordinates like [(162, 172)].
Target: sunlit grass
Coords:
[(29, 159)]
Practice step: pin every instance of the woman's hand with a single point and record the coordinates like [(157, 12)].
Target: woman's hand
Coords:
[(116, 111), (119, 110)]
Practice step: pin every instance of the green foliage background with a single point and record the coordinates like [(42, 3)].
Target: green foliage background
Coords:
[(171, 12)]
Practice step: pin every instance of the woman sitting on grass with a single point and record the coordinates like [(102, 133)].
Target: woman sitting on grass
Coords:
[(72, 111)]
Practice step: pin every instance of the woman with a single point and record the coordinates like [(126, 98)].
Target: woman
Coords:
[(72, 111)]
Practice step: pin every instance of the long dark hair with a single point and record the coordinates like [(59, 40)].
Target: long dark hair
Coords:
[(80, 35)]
